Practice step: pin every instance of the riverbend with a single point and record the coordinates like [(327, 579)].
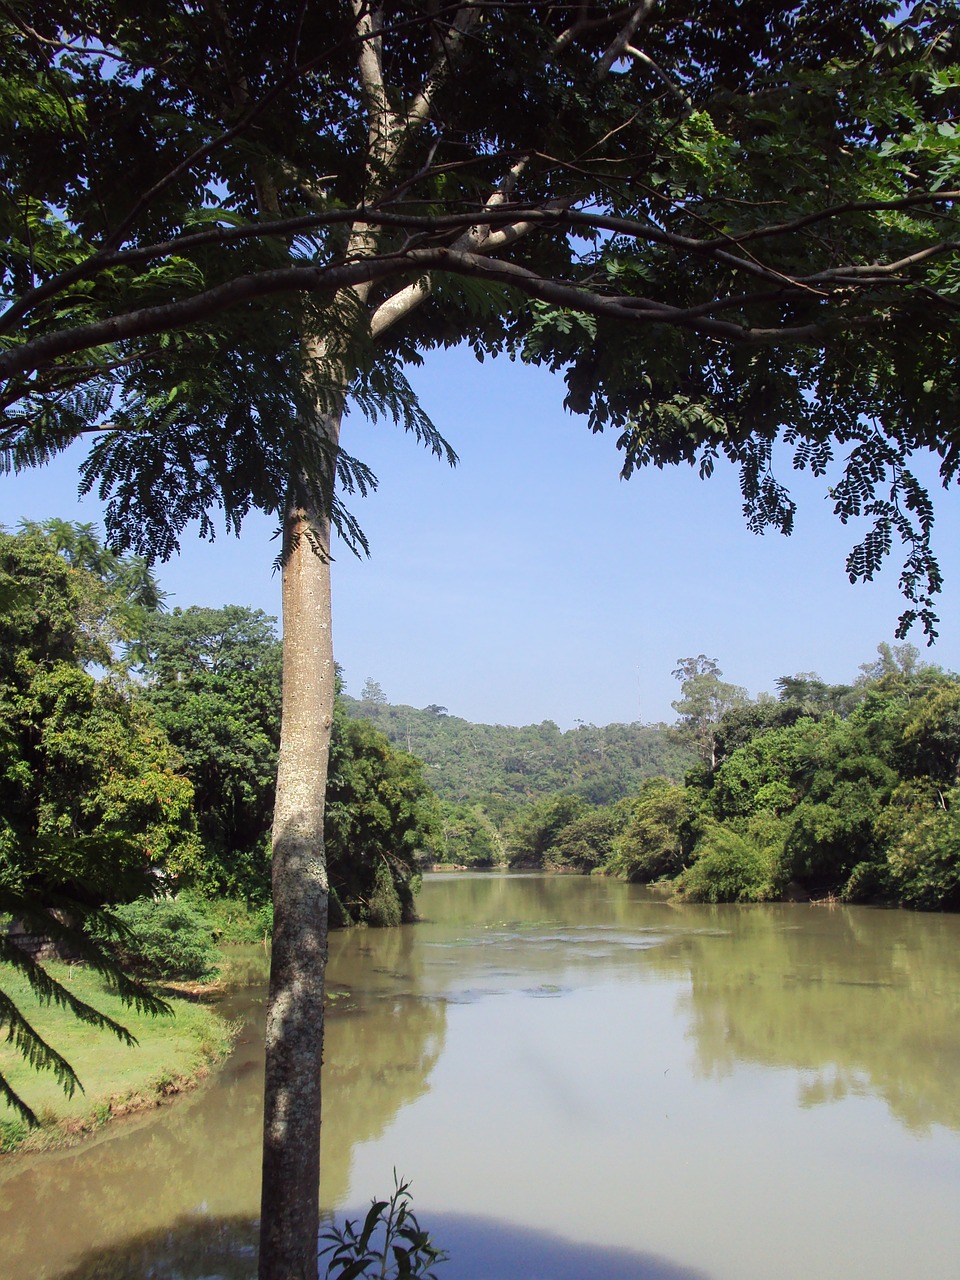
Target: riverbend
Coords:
[(578, 1077)]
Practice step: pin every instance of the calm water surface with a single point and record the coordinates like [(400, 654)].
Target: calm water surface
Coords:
[(580, 1079)]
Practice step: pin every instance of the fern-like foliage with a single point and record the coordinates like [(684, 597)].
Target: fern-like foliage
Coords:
[(65, 921)]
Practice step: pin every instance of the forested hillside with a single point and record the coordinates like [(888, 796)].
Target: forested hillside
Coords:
[(467, 762), (848, 792)]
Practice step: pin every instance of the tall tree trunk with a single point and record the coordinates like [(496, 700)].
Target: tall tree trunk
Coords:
[(294, 1037)]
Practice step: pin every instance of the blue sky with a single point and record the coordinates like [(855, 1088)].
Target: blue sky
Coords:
[(531, 583)]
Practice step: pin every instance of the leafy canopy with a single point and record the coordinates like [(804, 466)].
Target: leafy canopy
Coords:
[(93, 805), (732, 228)]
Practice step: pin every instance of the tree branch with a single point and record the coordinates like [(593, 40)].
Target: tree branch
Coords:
[(509, 218), (479, 237), (618, 45), (327, 280), (670, 84)]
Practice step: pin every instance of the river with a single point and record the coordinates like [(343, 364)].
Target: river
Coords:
[(579, 1079)]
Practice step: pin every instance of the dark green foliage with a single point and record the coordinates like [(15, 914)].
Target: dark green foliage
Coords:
[(535, 832), (739, 233), (92, 800), (381, 819), (847, 790), (921, 831), (230, 920), (478, 763), (129, 580), (771, 770), (390, 1244), (930, 746), (586, 843), (471, 837), (658, 836), (731, 866), (384, 909), (93, 807), (166, 938), (213, 679), (493, 777), (811, 696), (52, 611), (741, 724)]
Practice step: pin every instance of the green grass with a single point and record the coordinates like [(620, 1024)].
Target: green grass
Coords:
[(172, 1054)]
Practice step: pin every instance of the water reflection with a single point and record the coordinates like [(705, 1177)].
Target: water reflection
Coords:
[(189, 1249), (862, 1003), (383, 1038), (225, 1249), (585, 1057), (199, 1159)]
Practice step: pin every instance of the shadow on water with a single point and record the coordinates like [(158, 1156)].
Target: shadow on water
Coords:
[(485, 1249), (210, 1248)]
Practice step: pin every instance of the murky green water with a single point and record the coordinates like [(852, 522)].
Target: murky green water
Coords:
[(580, 1080)]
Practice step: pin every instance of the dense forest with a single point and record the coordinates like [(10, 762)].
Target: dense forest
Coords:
[(140, 746), (819, 790), (139, 749), (822, 791), (492, 777), (465, 761)]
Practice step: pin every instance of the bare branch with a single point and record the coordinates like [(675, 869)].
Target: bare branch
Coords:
[(617, 47), (667, 81), (419, 110), (381, 123), (479, 237), (584, 25), (511, 220)]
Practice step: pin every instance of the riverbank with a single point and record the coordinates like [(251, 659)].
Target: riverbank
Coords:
[(173, 1054)]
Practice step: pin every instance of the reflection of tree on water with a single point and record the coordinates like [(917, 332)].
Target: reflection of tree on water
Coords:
[(480, 1248), (197, 1155), (493, 898), (199, 1247), (865, 1001), (383, 1039), (201, 1156)]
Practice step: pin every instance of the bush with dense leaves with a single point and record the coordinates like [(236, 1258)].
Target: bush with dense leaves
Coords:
[(170, 938), (658, 837), (731, 866)]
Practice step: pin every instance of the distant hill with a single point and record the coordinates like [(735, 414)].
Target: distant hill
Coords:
[(466, 762)]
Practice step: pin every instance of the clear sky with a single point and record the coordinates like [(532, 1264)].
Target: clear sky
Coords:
[(531, 583)]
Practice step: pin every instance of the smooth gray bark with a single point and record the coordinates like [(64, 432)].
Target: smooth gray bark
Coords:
[(294, 1037)]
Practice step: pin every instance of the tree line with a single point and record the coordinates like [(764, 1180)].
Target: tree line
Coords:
[(845, 791), (138, 758), (726, 225), (140, 754), (467, 762)]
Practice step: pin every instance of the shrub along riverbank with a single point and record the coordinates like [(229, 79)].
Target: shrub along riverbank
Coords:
[(172, 1054)]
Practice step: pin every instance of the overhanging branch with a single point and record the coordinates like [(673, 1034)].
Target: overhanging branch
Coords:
[(506, 215), (38, 353)]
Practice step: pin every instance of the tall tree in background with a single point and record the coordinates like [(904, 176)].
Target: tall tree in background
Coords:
[(213, 679), (726, 224), (704, 699)]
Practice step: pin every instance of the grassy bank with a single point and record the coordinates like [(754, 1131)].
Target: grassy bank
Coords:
[(173, 1054)]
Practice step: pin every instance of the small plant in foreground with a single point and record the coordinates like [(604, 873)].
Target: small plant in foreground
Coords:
[(389, 1246)]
